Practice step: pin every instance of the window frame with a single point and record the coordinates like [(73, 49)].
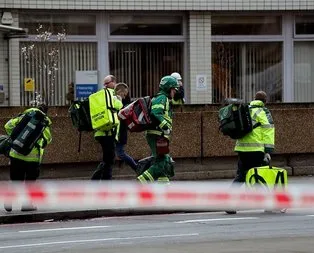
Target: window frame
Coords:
[(72, 37), (69, 38), (150, 39), (260, 38)]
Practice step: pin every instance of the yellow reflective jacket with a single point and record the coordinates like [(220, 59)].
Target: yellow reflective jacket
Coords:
[(262, 138), (37, 152), (117, 104)]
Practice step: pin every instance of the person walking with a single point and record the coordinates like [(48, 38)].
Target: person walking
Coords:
[(255, 148), (158, 136), (122, 132), (106, 138)]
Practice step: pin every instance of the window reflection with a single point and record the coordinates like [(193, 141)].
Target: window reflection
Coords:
[(246, 25), (242, 69), (145, 25)]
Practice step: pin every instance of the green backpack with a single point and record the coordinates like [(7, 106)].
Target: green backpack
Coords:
[(235, 120)]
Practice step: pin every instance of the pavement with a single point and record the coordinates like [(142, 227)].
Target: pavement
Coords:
[(42, 215)]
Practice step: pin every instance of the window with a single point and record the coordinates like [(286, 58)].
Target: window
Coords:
[(304, 25), (72, 24), (72, 56), (240, 69), (145, 25), (246, 25), (303, 71), (141, 65)]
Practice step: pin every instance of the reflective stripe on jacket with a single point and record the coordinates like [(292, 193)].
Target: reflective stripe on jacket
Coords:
[(262, 138)]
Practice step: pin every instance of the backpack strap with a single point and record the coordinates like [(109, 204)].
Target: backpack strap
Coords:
[(253, 118), (258, 179), (109, 103), (280, 178)]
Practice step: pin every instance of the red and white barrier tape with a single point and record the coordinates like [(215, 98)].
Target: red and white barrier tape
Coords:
[(178, 195)]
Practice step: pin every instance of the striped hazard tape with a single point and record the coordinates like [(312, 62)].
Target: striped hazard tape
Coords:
[(177, 195)]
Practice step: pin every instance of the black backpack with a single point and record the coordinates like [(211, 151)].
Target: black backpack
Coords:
[(28, 131), (235, 120), (80, 116)]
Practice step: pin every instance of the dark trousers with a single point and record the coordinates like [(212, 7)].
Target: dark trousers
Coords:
[(23, 171), (125, 157), (246, 161), (104, 169)]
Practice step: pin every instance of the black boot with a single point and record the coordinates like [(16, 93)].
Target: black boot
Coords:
[(8, 207), (27, 208)]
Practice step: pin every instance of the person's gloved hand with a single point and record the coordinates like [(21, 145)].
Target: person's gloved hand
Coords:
[(267, 158), (167, 132)]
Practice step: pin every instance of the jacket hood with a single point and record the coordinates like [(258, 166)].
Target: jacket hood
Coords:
[(257, 103)]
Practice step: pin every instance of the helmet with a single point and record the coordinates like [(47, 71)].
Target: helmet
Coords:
[(168, 82), (177, 76)]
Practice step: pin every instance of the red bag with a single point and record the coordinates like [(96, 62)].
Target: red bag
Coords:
[(162, 146), (137, 115)]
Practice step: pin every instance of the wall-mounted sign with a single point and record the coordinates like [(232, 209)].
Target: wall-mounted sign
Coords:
[(29, 84), (201, 82), (86, 83)]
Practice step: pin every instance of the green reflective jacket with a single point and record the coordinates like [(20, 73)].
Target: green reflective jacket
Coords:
[(37, 152), (262, 138), (161, 112)]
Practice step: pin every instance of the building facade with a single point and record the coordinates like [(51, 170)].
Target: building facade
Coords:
[(222, 48)]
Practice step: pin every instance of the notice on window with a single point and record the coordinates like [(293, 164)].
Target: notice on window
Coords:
[(29, 84), (201, 83), (86, 83)]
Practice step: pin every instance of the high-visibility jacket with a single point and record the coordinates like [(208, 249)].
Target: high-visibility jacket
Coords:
[(37, 152), (262, 138), (179, 97), (117, 104), (161, 112)]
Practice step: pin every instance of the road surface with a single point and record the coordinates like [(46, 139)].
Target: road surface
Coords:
[(245, 232)]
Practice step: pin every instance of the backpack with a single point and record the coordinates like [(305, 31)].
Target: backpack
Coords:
[(28, 131), (80, 115), (136, 115), (235, 120), (102, 112), (267, 176)]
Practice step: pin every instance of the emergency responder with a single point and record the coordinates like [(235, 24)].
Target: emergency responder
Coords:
[(254, 149), (27, 167), (107, 138), (179, 96), (158, 136)]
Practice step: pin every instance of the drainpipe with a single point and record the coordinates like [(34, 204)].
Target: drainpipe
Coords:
[(9, 76)]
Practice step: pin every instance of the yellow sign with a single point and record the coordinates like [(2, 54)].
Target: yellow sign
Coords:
[(29, 84)]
